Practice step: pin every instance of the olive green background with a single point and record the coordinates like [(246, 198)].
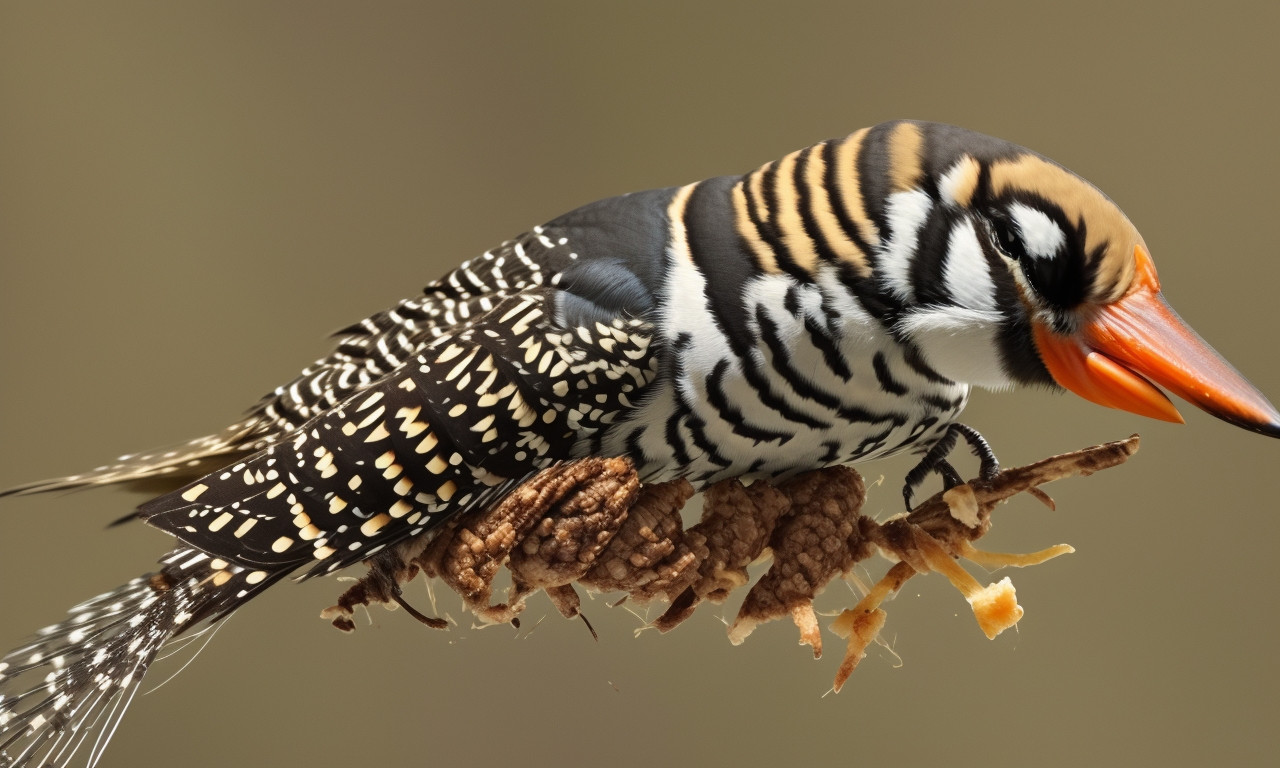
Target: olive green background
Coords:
[(191, 197)]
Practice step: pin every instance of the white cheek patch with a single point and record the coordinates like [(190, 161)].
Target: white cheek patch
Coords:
[(1041, 235), (961, 344), (965, 273)]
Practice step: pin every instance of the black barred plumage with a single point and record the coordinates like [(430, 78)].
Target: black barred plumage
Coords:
[(833, 306)]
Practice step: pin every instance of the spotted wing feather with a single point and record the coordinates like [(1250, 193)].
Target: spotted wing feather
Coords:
[(477, 411)]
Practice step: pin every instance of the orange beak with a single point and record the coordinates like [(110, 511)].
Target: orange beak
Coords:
[(1139, 339)]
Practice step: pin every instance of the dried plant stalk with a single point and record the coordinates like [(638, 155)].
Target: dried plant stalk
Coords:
[(590, 522)]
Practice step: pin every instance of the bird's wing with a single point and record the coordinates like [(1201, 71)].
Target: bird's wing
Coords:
[(475, 412)]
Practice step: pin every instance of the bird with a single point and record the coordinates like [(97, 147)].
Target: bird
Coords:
[(834, 306)]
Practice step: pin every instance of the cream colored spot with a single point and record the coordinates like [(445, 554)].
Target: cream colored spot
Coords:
[(380, 433), (458, 410), (221, 521), (255, 577), (276, 490), (437, 465), (323, 552), (403, 486), (354, 482), (221, 577), (401, 508), (374, 398), (245, 526), (309, 533), (446, 491), (374, 524), (450, 352), (281, 544), (385, 460), (193, 493), (218, 564), (337, 504), (427, 443), (372, 417)]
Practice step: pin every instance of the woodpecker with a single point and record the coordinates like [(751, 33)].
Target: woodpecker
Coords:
[(834, 306)]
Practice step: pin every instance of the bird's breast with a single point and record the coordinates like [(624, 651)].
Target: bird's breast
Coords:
[(789, 377)]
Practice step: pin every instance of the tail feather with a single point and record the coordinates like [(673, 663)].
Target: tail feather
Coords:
[(162, 470), (70, 685)]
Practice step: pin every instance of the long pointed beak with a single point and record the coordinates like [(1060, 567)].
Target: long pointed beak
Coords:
[(1139, 339)]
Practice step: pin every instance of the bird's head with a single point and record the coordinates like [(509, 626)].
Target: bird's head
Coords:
[(1072, 280)]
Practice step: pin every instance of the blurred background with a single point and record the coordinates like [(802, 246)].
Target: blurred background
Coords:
[(193, 195)]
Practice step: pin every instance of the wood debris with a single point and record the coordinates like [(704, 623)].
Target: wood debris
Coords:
[(590, 522)]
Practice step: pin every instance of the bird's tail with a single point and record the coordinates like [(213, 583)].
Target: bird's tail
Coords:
[(162, 470), (66, 689)]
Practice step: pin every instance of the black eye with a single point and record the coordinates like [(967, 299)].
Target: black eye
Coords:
[(1004, 235)]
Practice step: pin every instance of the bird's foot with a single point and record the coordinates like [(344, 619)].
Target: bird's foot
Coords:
[(936, 461)]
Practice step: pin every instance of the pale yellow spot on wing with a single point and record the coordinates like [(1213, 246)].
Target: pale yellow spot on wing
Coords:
[(374, 398), (374, 524), (221, 521), (193, 493), (401, 508), (245, 526), (281, 544)]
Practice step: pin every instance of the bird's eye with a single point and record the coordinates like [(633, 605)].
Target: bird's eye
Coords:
[(1004, 235)]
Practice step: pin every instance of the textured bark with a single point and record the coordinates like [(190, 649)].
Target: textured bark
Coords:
[(591, 523)]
